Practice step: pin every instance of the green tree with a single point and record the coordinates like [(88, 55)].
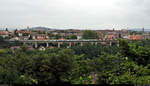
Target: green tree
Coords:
[(62, 64), (73, 37), (57, 36), (103, 34), (3, 43), (1, 39), (135, 51), (54, 67), (15, 33), (88, 34), (91, 51), (81, 70)]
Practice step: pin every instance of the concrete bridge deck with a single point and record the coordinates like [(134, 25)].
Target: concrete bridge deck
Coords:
[(30, 41), (36, 42)]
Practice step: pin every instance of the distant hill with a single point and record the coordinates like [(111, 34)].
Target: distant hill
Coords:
[(41, 28)]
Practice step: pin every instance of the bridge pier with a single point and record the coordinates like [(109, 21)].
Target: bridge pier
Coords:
[(110, 43), (95, 43), (24, 43), (81, 43), (36, 45), (47, 45), (92, 43), (70, 44), (58, 44), (118, 43)]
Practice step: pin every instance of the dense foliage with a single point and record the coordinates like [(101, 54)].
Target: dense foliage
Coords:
[(87, 64), (88, 34)]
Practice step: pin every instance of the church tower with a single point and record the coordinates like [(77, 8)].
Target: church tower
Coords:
[(143, 30)]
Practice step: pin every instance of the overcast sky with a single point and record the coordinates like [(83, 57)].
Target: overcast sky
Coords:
[(80, 14)]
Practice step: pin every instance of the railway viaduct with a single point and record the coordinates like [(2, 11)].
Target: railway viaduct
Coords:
[(70, 42)]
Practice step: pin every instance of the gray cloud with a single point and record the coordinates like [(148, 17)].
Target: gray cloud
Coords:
[(94, 14)]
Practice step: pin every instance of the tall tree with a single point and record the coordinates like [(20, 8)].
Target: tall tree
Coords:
[(53, 67), (73, 37), (88, 34), (6, 29), (15, 32)]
